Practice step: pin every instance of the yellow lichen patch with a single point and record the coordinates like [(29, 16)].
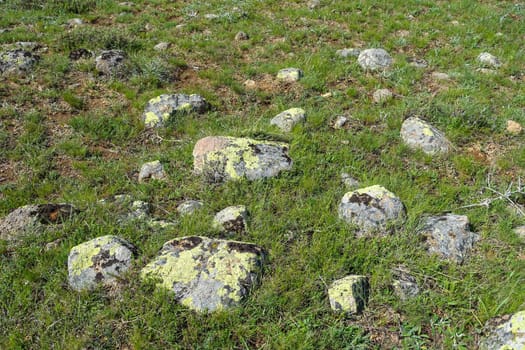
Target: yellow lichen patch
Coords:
[(293, 112), (427, 131), (174, 269), (377, 191), (85, 252), (155, 100), (518, 324), (348, 293), (151, 119), (184, 107)]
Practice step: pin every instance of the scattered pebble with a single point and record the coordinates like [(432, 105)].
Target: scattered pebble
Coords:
[(417, 62), (313, 4), (514, 127), (418, 134), (488, 59), (250, 84), (152, 170), (241, 36), (349, 181)]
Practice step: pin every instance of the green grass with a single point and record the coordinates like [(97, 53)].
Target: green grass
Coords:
[(68, 135)]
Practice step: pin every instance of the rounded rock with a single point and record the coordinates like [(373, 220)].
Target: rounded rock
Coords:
[(152, 170), (488, 59), (382, 95), (241, 36), (189, 207), (349, 294), (231, 219), (163, 46), (288, 119), (374, 59), (418, 134), (505, 333), (161, 109), (111, 62), (290, 74)]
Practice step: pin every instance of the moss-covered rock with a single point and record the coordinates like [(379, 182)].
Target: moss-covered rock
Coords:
[(17, 62), (161, 109), (206, 274), (418, 134), (505, 333), (288, 119), (100, 260), (221, 158), (349, 294), (290, 74)]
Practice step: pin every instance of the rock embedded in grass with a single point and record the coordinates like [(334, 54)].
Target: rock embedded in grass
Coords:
[(340, 122), (372, 209), (162, 46), (349, 181), (99, 261), (288, 119), (449, 236), (504, 333), (221, 158), (231, 219), (405, 285), (513, 127), (349, 294), (17, 62), (207, 274), (161, 109), (374, 59), (352, 52), (418, 134), (152, 170), (489, 60), (33, 218), (189, 207), (241, 36), (111, 63), (382, 95), (290, 74)]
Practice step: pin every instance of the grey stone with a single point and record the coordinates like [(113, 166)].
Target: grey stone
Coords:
[(417, 62), (161, 109), (290, 74), (382, 95), (79, 54), (405, 285), (504, 333), (449, 236), (211, 16), (488, 59), (111, 63), (189, 207), (231, 219), (241, 36), (207, 274), (349, 181), (99, 261), (221, 158), (162, 46), (33, 218), (520, 232), (374, 59), (340, 122), (349, 294), (75, 22), (17, 62), (352, 52), (152, 170), (313, 4), (288, 119), (418, 134), (372, 209)]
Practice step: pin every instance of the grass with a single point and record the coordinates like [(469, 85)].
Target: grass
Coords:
[(68, 135)]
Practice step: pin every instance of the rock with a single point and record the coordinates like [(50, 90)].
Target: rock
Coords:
[(349, 294), (290, 74), (514, 127), (353, 52), (486, 71), (374, 59), (75, 22), (448, 236), (111, 63), (33, 218), (162, 46), (162, 108), (152, 170), (520, 231), (405, 285), (340, 122), (371, 209), (17, 62), (221, 158), (349, 181), (30, 46), (250, 84), (134, 209), (207, 274), (126, 4), (241, 36), (189, 207), (313, 4), (53, 245), (488, 59), (440, 76), (211, 16), (101, 260), (288, 119), (78, 54), (382, 95), (418, 134), (417, 62), (505, 333), (231, 219)]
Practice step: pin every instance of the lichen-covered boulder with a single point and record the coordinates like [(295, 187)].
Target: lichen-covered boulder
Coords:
[(100, 260), (221, 158), (405, 285), (231, 219), (372, 209), (152, 170), (189, 207), (288, 119), (505, 333), (17, 62), (418, 134), (349, 294), (161, 109), (374, 59), (206, 274), (290, 74), (449, 236), (33, 218), (111, 63)]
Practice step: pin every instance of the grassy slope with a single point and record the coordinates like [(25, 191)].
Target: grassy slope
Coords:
[(67, 135)]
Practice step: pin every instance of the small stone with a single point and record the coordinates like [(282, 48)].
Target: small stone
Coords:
[(53, 245), (349, 181), (488, 59), (221, 158), (313, 4), (349, 294), (111, 62), (162, 46), (75, 22), (241, 36), (126, 4), (148, 27), (374, 59), (418, 134), (30, 46), (417, 62), (513, 127), (440, 76), (152, 170), (382, 95), (161, 109), (207, 274), (520, 231), (288, 119), (134, 209), (79, 54), (405, 285), (372, 209), (250, 84), (352, 52), (231, 219), (340, 122), (17, 62), (290, 74), (189, 207), (486, 71), (504, 333), (99, 261), (449, 236), (211, 16)]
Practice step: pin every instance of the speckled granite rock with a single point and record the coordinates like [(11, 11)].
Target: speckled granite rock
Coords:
[(374, 59), (418, 134)]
